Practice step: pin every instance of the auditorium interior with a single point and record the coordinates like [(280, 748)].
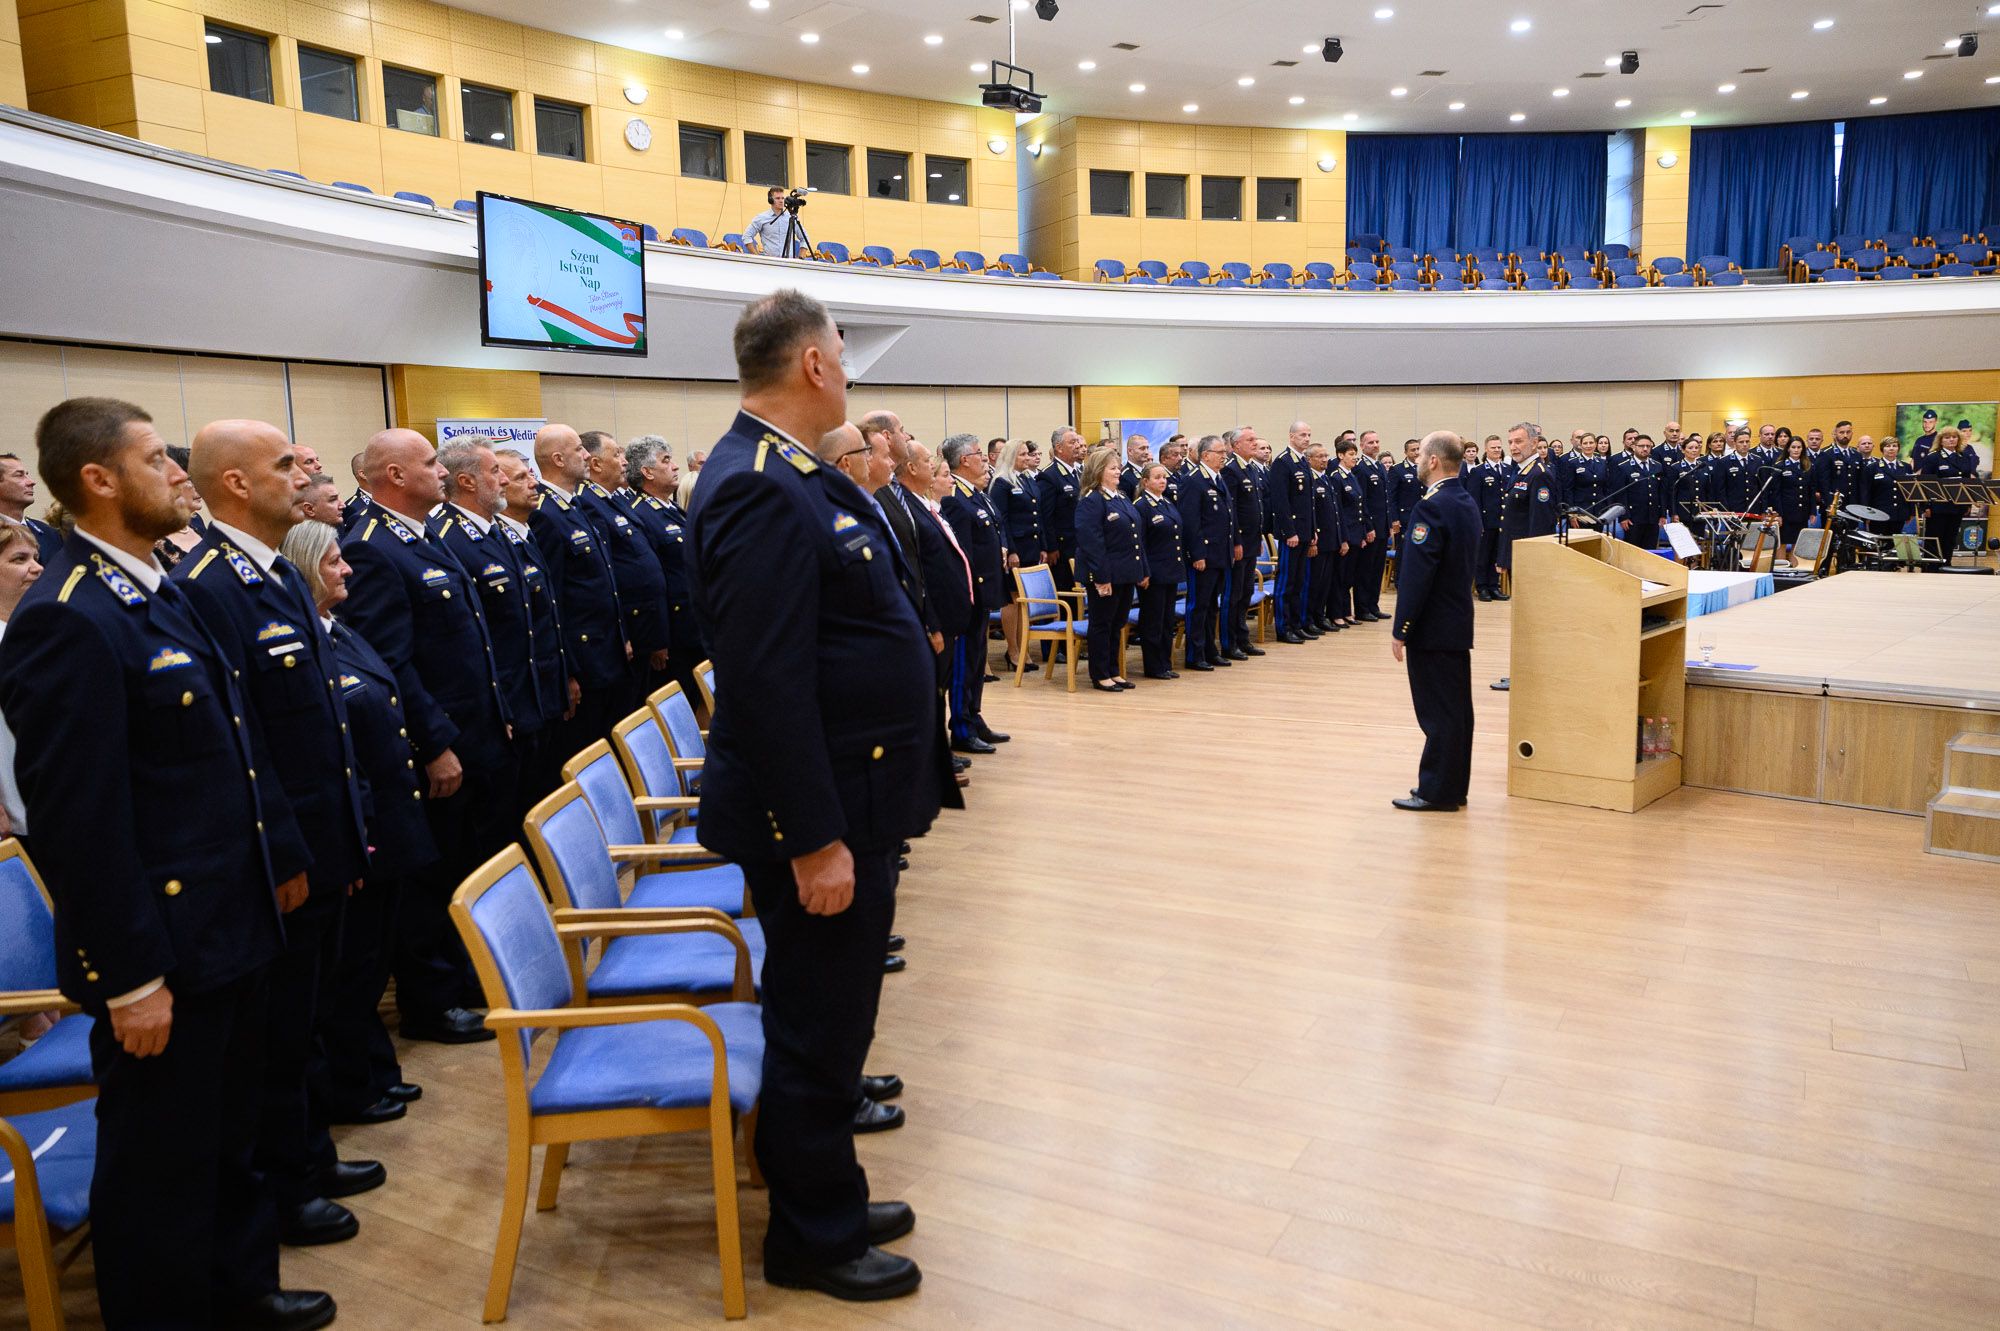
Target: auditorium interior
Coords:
[(1685, 1015)]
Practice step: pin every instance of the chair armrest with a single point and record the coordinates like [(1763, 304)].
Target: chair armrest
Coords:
[(691, 764), (649, 803), (507, 1018), (27, 1002), (620, 915), (694, 854), (742, 991)]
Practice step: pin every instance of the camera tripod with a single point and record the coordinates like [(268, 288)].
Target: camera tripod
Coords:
[(798, 245)]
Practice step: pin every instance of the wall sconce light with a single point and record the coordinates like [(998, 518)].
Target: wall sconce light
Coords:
[(636, 95), (1327, 163), (1736, 422), (996, 146), (1668, 161), (1034, 150)]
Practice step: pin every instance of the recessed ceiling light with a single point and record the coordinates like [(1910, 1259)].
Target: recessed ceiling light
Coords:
[(1622, 103), (1399, 92), (1350, 117), (1296, 101), (979, 66), (933, 39), (498, 136), (1190, 109), (1877, 101), (760, 4), (1086, 65), (951, 198), (809, 38), (1310, 48), (675, 34), (937, 175), (1559, 92), (1245, 82), (861, 69), (1821, 25), (1136, 87), (1385, 12), (1913, 74), (1951, 43), (1800, 95), (1687, 115), (1517, 117), (1612, 61), (1725, 87), (1993, 79), (1456, 106), (1519, 25), (1993, 11)]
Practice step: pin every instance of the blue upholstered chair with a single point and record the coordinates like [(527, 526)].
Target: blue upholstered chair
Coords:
[(716, 957), (1669, 265), (1611, 252), (1448, 284), (49, 1158), (1399, 254), (351, 185), (1897, 275), (1898, 240), (667, 808), (1496, 284), (616, 1071), (1321, 269), (1184, 282), (1046, 617), (1153, 268), (1621, 267), (686, 235), (966, 261), (1868, 263), (1406, 284), (55, 1070), (1366, 240), (288, 175), (879, 255), (1838, 275), (832, 251), (1108, 270), (1194, 268), (1795, 249), (1682, 279), (696, 878), (1316, 284), (1585, 282), (464, 206), (1711, 264), (1957, 270), (1142, 280), (1403, 270), (411, 196), (1918, 256), (1230, 282), (1360, 259), (1235, 268), (1815, 263), (1847, 244), (1018, 262), (1735, 279), (684, 735), (923, 260), (1276, 275), (1629, 281), (649, 234), (1544, 284), (1044, 275), (733, 242)]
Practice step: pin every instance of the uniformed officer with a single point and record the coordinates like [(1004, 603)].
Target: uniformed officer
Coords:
[(1378, 513), (1111, 560), (1208, 527), (1645, 497), (652, 475), (1327, 542), (1058, 486), (1293, 510), (1531, 508), (1160, 529), (1834, 470), (982, 539), (1173, 456), (260, 609), (1246, 493), (419, 608), (1404, 492), (1138, 456), (1790, 493), (825, 764), (635, 570), (519, 608), (17, 491), (1881, 486), (1433, 629), (1950, 460), (1350, 492), (586, 596), (169, 852), (1489, 481)]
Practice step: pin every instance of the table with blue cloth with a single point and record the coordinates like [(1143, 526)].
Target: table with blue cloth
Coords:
[(1712, 592)]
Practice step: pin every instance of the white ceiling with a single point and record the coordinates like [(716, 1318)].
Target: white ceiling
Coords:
[(1194, 51)]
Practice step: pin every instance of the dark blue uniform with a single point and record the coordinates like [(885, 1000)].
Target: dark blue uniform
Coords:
[(1350, 492), (1790, 494), (945, 587), (48, 540), (1325, 562), (1374, 554), (1879, 485), (794, 576), (1578, 481), (1160, 527), (418, 607), (1246, 493), (158, 832), (1723, 481), (1941, 521), (1289, 492), (592, 619), (641, 584), (665, 525), (1530, 510), (1835, 473), (1019, 505), (981, 537), (1128, 481), (1404, 492), (1487, 482), (1109, 549), (1434, 624), (1208, 530), (1057, 489)]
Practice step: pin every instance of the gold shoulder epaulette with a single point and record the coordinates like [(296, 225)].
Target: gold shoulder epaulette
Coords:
[(369, 530), (205, 561), (69, 584)]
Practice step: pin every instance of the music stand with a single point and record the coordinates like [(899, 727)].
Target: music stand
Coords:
[(1921, 492)]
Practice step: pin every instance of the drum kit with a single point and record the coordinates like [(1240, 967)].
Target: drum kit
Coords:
[(1854, 545)]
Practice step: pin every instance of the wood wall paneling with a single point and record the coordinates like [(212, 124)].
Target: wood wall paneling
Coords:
[(1758, 742), (1869, 400), (424, 394)]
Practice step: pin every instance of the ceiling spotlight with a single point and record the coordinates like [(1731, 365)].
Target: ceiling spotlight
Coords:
[(1519, 25), (1559, 92), (1245, 82), (1725, 87), (1190, 109), (214, 40), (1913, 74), (1350, 117), (1399, 92), (1309, 48), (1877, 101), (1800, 95), (1385, 12), (1622, 103), (860, 69), (1687, 115), (933, 39), (1456, 106), (1628, 62), (1136, 87), (1045, 10), (1821, 25), (1611, 62), (675, 34), (1086, 65), (1329, 51), (1517, 117), (1296, 101), (809, 38), (760, 4), (979, 66)]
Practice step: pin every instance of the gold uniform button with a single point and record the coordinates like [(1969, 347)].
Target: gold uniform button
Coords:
[(251, 773), (867, 552), (291, 661), (877, 755), (404, 733), (90, 976), (416, 794), (447, 593), (583, 637), (410, 763), (187, 699), (173, 887), (392, 700)]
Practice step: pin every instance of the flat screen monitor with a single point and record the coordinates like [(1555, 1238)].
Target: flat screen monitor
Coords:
[(554, 279)]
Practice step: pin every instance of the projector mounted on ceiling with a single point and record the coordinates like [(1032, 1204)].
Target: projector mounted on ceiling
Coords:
[(1012, 89)]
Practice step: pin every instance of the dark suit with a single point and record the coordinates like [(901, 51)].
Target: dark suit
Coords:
[(48, 539), (1434, 624), (796, 581), (977, 525), (1208, 529), (592, 620), (1246, 494), (1293, 515), (897, 504), (142, 767), (642, 590)]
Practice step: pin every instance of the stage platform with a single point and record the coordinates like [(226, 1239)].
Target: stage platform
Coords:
[(1844, 691)]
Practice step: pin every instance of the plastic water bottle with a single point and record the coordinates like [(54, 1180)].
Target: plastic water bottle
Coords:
[(1664, 739)]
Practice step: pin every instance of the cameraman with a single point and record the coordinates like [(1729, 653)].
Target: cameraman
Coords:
[(766, 233)]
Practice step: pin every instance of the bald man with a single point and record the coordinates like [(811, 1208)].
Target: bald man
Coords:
[(260, 609), (586, 592), (412, 601)]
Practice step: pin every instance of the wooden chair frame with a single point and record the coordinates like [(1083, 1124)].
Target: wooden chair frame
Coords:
[(526, 1130), (657, 700), (683, 856), (704, 679), (34, 1243), (1063, 632), (27, 1002), (660, 815)]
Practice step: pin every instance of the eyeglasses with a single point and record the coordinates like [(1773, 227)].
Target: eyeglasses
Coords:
[(850, 453)]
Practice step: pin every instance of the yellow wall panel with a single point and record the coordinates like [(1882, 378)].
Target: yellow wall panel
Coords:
[(424, 394), (423, 164), (420, 16), (1096, 404), (331, 149), (31, 381), (336, 409), (172, 105), (1869, 400), (249, 132)]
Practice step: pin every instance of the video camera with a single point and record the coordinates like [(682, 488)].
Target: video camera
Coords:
[(796, 199)]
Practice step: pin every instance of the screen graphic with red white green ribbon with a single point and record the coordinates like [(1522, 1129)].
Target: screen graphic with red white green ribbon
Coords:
[(561, 278)]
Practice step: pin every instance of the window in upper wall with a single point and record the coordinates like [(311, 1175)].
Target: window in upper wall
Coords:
[(558, 130), (239, 63), (828, 168), (327, 84), (701, 152), (1222, 198), (1110, 193), (945, 180), (1166, 196), (767, 160), (888, 174), (410, 100), (1277, 200), (489, 115)]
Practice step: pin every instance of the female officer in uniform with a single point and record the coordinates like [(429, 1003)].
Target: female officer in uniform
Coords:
[(360, 1080), (1013, 496), (1160, 521), (1949, 461), (1112, 561), (1792, 492)]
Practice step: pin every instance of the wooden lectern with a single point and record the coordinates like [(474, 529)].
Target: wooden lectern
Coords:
[(1599, 642)]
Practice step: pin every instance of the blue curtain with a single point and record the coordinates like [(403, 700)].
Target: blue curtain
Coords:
[(1752, 188), (1402, 187), (1932, 174), (1531, 192)]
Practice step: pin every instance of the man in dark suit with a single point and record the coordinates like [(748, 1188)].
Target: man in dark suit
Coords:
[(829, 759), (1293, 524), (976, 525), (1433, 624), (17, 491), (260, 609), (884, 437), (1208, 529), (1057, 488), (586, 596), (170, 852), (1246, 493)]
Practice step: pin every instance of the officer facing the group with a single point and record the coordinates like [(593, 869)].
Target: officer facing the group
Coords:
[(1531, 505), (169, 852), (1208, 526), (1433, 627), (1489, 481), (260, 609), (828, 761)]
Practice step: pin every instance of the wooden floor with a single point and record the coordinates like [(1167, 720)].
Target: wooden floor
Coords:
[(1199, 1033)]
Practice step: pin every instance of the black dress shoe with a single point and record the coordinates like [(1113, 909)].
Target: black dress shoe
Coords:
[(314, 1222), (1312, 630), (384, 1110), (1414, 795), (1159, 674), (972, 744), (870, 1277), (406, 1092), (902, 864), (1253, 651), (896, 942), (958, 764), (1501, 686), (1236, 654), (889, 1221), (886, 1087), (990, 679), (989, 734), (1503, 596), (452, 1026), (1223, 662), (1293, 636), (894, 964), (345, 1178), (1415, 805), (284, 1310), (1105, 686), (874, 1116), (903, 849), (1198, 665), (1373, 617), (1127, 684)]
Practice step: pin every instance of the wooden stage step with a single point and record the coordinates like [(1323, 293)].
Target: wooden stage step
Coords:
[(1964, 819)]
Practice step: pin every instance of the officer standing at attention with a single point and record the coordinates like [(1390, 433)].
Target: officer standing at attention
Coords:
[(260, 608), (138, 761), (17, 491), (1404, 492), (1489, 481), (586, 596), (1208, 527), (635, 570), (826, 764), (1433, 626), (1531, 506), (653, 475), (1058, 486), (1374, 474), (1160, 524), (1327, 542), (1246, 490), (418, 608), (1293, 526), (983, 539)]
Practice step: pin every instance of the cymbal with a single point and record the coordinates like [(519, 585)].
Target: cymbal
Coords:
[(1863, 513)]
